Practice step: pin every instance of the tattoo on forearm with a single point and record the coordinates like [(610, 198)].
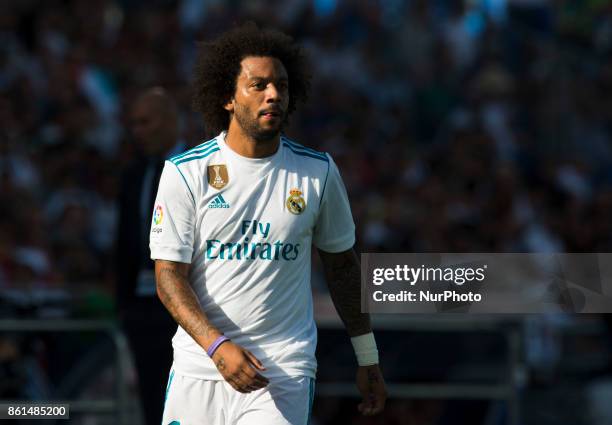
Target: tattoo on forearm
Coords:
[(344, 282), (221, 364), (372, 376), (180, 300)]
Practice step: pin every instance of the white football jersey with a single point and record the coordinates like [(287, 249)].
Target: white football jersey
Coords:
[(246, 226)]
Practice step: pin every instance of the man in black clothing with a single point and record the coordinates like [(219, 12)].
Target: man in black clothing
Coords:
[(149, 327)]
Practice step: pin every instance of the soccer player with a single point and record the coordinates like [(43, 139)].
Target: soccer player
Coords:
[(232, 229)]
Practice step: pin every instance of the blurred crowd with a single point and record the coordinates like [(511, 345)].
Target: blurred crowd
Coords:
[(457, 125)]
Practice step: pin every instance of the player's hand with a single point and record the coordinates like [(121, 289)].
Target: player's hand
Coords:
[(239, 367), (371, 385)]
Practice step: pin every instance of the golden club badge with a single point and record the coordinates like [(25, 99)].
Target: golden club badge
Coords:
[(217, 176), (295, 202)]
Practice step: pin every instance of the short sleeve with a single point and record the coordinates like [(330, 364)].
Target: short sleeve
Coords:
[(173, 222), (334, 230)]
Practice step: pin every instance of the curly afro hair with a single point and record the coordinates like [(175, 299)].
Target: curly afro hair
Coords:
[(218, 66)]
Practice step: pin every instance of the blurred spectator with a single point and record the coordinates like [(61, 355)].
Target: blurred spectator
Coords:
[(149, 327)]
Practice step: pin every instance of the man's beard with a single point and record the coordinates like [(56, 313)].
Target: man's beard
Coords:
[(251, 127)]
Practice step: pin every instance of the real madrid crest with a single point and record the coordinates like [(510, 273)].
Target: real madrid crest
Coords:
[(295, 202), (217, 176)]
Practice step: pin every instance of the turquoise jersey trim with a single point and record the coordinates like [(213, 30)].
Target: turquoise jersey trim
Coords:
[(310, 400), (304, 153), (299, 147), (191, 158), (192, 150), (185, 180), (169, 383), (166, 397), (324, 185)]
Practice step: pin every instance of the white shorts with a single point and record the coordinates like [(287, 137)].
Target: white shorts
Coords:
[(192, 401)]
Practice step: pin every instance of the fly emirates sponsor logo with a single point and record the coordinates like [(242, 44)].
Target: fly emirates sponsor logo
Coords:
[(246, 249)]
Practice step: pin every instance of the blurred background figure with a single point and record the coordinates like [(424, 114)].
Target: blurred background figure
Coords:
[(155, 129)]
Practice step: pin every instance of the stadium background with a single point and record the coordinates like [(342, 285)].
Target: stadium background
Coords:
[(477, 126)]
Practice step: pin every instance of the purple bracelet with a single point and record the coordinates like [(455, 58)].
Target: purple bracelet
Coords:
[(213, 347)]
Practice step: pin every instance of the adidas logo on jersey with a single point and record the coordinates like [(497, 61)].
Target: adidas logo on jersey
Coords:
[(218, 202)]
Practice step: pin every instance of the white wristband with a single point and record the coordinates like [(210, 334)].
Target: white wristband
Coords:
[(365, 349)]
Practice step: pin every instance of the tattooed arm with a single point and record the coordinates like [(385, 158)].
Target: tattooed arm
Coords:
[(343, 277), (236, 364), (344, 282), (179, 299)]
